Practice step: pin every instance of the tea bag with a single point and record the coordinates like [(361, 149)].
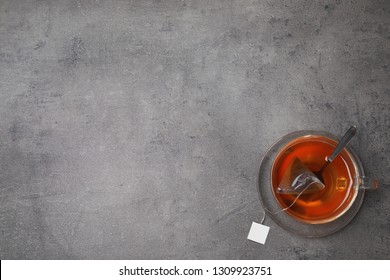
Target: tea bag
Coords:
[(298, 179)]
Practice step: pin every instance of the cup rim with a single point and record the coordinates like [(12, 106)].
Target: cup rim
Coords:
[(300, 139)]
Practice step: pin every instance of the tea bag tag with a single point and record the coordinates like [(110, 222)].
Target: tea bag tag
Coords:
[(258, 233)]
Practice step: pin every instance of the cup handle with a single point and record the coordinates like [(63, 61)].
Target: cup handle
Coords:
[(367, 183)]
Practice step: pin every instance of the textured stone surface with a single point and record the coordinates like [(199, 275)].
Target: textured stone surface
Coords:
[(134, 129)]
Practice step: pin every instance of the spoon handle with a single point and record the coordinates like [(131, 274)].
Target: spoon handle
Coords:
[(342, 143)]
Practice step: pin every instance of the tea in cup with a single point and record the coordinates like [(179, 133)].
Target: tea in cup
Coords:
[(343, 179)]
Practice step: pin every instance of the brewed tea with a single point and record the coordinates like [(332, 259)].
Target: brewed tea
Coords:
[(324, 205)]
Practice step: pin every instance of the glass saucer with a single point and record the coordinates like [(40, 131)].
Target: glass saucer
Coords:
[(272, 207)]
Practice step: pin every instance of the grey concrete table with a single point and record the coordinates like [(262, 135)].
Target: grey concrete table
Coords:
[(134, 129)]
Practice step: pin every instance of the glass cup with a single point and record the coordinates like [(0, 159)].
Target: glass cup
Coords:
[(343, 179)]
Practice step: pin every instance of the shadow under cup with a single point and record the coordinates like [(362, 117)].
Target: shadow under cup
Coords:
[(341, 187)]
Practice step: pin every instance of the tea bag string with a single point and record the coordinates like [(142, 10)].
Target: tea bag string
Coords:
[(284, 209)]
